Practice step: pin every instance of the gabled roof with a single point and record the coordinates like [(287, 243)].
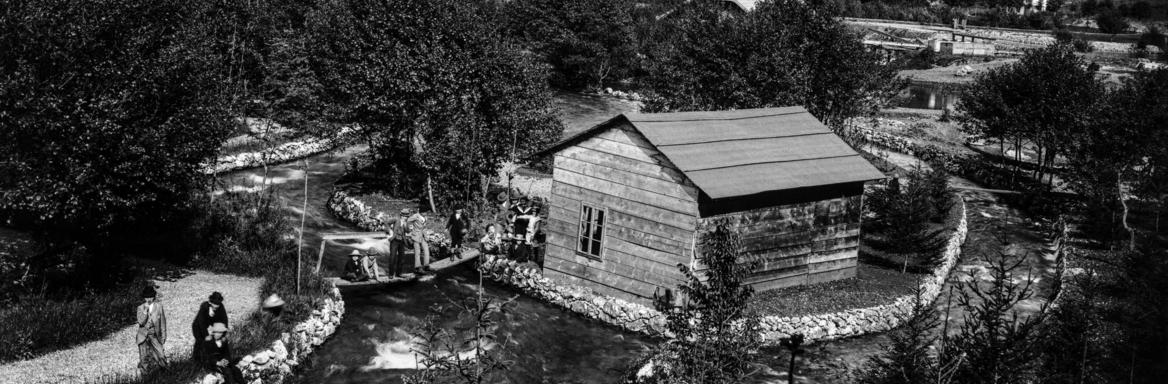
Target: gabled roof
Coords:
[(746, 152)]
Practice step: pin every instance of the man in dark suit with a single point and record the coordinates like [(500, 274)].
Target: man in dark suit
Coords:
[(397, 242), (151, 334), (457, 225), (210, 312), (216, 355)]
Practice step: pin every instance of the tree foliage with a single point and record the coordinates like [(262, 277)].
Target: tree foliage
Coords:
[(715, 338), (1042, 102), (903, 214), (434, 88), (785, 52), (589, 43), (108, 115)]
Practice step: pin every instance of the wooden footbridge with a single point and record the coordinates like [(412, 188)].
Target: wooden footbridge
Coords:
[(380, 276)]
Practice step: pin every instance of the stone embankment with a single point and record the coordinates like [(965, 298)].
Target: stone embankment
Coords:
[(274, 364), (280, 154)]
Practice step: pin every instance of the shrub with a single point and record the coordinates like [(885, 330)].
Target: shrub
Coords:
[(1111, 22), (241, 233), (36, 325), (1080, 45)]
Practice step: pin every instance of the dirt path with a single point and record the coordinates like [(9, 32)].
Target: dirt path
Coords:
[(117, 355), (992, 226)]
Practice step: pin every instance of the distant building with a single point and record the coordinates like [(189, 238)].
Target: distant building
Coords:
[(964, 44), (631, 197)]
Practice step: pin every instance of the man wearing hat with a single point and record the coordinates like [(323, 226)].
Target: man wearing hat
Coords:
[(397, 242), (417, 227), (216, 355), (457, 225), (210, 312), (151, 332)]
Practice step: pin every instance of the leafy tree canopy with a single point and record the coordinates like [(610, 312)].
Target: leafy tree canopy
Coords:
[(108, 115), (433, 85), (587, 42), (785, 52)]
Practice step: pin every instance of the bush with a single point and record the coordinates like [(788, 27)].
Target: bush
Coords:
[(1080, 45), (241, 233), (1111, 22), (36, 325)]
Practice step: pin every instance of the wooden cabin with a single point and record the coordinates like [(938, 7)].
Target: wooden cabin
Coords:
[(631, 196)]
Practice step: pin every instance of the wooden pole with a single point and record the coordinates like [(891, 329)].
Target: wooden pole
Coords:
[(300, 241)]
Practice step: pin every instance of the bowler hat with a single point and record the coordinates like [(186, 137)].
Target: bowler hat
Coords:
[(149, 292), (216, 298)]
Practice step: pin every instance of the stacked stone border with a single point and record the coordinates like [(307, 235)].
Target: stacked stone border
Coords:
[(280, 154), (643, 319), (276, 363)]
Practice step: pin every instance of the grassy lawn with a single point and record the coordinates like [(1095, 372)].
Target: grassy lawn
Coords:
[(873, 285)]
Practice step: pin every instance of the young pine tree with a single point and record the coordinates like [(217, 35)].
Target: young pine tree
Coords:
[(716, 339)]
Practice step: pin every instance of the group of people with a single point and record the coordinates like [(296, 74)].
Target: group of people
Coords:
[(518, 240), (211, 350)]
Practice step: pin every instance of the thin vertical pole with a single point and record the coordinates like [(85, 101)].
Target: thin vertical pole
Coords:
[(300, 242)]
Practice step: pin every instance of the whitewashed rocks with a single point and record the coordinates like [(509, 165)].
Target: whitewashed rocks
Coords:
[(274, 364), (279, 154)]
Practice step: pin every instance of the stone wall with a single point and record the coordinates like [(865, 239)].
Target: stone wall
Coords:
[(283, 153), (643, 319), (274, 364)]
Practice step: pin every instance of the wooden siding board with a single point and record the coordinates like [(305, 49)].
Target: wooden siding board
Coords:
[(653, 219), (616, 173), (653, 242), (681, 206), (651, 170)]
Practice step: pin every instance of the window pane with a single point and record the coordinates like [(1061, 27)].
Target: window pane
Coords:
[(596, 247), (599, 218), (596, 232)]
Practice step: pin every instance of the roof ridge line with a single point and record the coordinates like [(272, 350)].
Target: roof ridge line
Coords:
[(769, 162), (745, 139), (710, 119)]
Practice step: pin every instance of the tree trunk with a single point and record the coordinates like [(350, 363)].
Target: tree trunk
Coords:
[(430, 193)]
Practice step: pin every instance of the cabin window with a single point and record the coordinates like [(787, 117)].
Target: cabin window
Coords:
[(591, 231)]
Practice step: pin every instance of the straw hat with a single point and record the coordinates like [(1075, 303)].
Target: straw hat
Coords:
[(273, 301), (217, 327), (356, 252), (405, 211)]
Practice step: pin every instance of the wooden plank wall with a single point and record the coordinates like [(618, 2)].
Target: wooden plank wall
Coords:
[(651, 216), (799, 243)]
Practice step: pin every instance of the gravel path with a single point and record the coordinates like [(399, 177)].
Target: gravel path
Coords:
[(116, 355)]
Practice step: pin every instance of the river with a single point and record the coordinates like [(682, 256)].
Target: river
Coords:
[(545, 343)]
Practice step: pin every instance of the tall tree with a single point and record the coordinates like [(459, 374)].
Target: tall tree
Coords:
[(1040, 102), (589, 43), (434, 87), (106, 116), (785, 52)]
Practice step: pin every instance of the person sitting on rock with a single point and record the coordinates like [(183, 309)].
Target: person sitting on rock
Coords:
[(216, 356), (353, 269)]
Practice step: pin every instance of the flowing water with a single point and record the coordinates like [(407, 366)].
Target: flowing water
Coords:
[(372, 344), (544, 343)]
